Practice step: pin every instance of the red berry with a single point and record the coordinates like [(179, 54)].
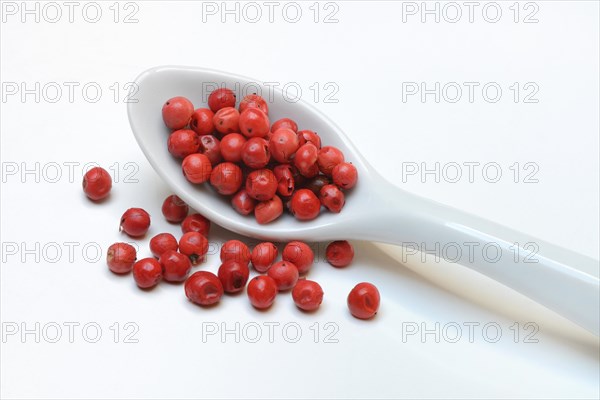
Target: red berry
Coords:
[(176, 112), (227, 120), (263, 255), (221, 98), (174, 209), (285, 274), (308, 136), (255, 153), (284, 174), (339, 253), (236, 251), (161, 243), (226, 178), (345, 175), (305, 205), (254, 101), (254, 123), (315, 184), (268, 210), (196, 168), (231, 147), (299, 254), (262, 291), (135, 222), (284, 123), (306, 160), (233, 276), (176, 266), (201, 121), (242, 202), (210, 146), (97, 183), (261, 184), (147, 273), (203, 288), (194, 245), (308, 295), (183, 142), (120, 257), (283, 144), (328, 158), (363, 300), (332, 198), (196, 223)]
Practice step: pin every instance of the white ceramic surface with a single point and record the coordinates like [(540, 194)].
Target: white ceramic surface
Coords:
[(375, 210)]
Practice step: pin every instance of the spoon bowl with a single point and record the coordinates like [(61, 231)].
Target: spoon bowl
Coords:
[(562, 280)]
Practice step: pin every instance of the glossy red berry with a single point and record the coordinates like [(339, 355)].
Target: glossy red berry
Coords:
[(183, 142), (227, 120), (233, 276), (254, 101), (120, 257), (135, 222), (210, 146), (268, 210), (174, 209), (194, 245), (305, 205), (262, 291), (236, 251), (284, 123), (285, 274), (308, 136), (196, 223), (221, 98), (243, 203), (339, 253), (263, 255), (345, 175), (255, 153), (147, 272), (306, 160), (299, 254), (332, 198), (203, 288), (283, 145), (176, 112), (226, 178), (328, 158), (284, 174), (175, 266), (261, 184), (254, 123), (161, 243), (196, 168), (97, 183), (201, 121), (363, 300), (231, 147), (307, 295)]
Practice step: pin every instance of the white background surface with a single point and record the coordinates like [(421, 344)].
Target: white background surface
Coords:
[(368, 55)]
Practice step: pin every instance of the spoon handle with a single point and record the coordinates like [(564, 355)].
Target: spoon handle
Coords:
[(560, 279)]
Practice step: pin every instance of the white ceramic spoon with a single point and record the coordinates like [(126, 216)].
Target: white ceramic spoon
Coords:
[(375, 210)]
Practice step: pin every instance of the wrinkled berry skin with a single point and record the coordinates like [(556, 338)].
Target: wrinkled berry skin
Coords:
[(328, 158), (194, 245), (233, 276), (306, 160), (210, 146), (227, 120), (254, 123), (183, 142), (226, 178), (284, 123), (332, 198), (305, 205), (161, 243), (176, 266), (299, 254), (283, 144), (286, 184), (268, 210), (236, 251), (221, 98), (97, 183), (135, 222), (243, 203), (196, 168), (176, 112), (261, 184), (339, 253), (255, 153), (262, 291), (263, 255), (174, 209), (364, 300), (201, 121), (203, 288), (308, 136), (254, 101), (120, 257), (285, 274), (196, 223), (345, 175), (307, 295), (147, 273)]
